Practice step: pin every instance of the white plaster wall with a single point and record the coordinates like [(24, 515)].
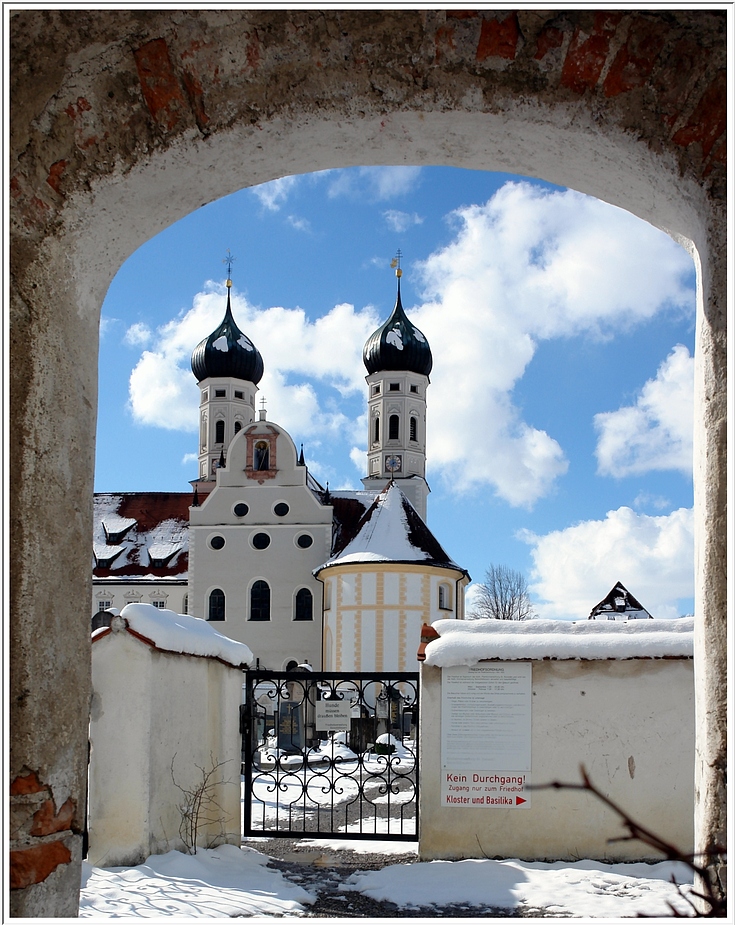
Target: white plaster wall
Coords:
[(375, 612), (629, 722), (149, 708)]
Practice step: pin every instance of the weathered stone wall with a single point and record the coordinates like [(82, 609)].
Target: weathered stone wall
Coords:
[(125, 120)]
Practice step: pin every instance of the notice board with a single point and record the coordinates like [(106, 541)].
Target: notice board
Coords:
[(486, 729)]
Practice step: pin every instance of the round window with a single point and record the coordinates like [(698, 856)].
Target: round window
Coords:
[(241, 509), (304, 541), (261, 541), (217, 542), (281, 509)]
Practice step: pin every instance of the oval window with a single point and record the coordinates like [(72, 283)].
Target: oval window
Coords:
[(304, 541), (261, 541), (281, 509), (217, 542), (241, 509)]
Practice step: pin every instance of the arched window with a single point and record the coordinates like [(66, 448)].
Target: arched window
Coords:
[(261, 455), (219, 432), (376, 429), (304, 609), (260, 601), (413, 429), (238, 427), (445, 597), (393, 427), (216, 605), (185, 605)]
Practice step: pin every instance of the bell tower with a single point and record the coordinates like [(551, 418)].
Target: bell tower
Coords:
[(228, 368), (398, 360)]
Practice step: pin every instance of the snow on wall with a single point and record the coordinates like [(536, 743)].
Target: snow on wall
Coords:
[(178, 632), (468, 642)]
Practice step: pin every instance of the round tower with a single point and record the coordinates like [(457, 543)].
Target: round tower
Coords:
[(228, 368), (398, 360)]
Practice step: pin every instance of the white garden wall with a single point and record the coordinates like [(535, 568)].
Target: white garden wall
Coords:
[(151, 706), (628, 720)]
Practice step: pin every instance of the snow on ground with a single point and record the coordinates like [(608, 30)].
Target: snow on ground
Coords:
[(213, 883), (588, 889), (228, 881)]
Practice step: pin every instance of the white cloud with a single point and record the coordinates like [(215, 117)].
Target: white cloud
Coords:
[(401, 221), (645, 499), (522, 267), (163, 392), (138, 334), (374, 183), (526, 266), (575, 568), (274, 194), (300, 224), (656, 432), (189, 458)]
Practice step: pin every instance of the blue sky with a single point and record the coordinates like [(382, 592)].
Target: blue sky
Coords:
[(562, 329)]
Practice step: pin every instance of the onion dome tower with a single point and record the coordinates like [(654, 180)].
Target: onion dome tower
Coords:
[(398, 360), (228, 368)]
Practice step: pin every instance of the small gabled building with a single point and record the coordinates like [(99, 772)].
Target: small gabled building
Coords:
[(619, 604), (380, 587)]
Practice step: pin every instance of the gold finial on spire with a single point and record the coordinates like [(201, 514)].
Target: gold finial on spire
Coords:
[(229, 260), (396, 263)]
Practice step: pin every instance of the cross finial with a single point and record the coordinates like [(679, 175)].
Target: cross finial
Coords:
[(396, 263), (229, 260)]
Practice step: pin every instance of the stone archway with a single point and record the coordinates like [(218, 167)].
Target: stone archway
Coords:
[(124, 121)]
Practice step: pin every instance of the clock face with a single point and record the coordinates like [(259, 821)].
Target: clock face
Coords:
[(393, 463)]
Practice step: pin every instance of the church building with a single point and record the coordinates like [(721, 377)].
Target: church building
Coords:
[(340, 580)]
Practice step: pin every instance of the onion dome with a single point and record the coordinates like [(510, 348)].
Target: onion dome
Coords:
[(227, 352), (397, 345)]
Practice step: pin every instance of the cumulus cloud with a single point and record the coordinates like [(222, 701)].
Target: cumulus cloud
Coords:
[(137, 335), (656, 432), (274, 194), (401, 221), (653, 556), (374, 183), (528, 265), (162, 389)]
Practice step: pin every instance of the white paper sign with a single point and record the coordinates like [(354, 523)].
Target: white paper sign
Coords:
[(486, 717), (333, 715)]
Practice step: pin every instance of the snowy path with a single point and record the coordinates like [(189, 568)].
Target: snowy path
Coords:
[(228, 881)]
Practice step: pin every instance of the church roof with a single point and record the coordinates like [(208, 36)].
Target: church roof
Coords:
[(397, 345), (141, 535), (227, 352), (391, 530), (619, 604)]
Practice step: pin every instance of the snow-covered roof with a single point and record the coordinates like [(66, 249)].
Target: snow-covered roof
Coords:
[(619, 604), (176, 632), (141, 535), (464, 642), (391, 530)]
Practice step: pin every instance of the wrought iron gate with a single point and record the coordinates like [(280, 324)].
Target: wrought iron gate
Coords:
[(330, 754)]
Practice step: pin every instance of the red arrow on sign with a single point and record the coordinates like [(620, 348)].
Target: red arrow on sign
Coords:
[(519, 800)]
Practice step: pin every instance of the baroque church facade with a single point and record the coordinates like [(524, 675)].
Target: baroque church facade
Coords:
[(339, 580)]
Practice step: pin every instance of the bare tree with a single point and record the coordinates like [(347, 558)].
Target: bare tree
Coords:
[(503, 595)]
